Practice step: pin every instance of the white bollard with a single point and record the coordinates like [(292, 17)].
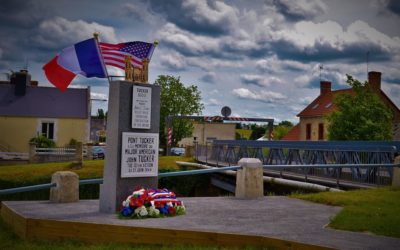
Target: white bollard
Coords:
[(249, 179)]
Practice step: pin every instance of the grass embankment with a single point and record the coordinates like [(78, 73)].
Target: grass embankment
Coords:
[(34, 174), (374, 210)]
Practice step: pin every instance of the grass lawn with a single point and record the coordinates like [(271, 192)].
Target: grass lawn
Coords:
[(375, 210), (41, 173)]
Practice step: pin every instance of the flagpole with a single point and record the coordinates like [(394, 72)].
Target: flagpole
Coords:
[(96, 38)]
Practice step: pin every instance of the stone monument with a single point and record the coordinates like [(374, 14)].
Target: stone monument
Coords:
[(131, 158)]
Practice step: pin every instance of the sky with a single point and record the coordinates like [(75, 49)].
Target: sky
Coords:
[(262, 58)]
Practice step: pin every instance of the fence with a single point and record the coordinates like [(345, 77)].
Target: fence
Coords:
[(362, 162), (58, 154)]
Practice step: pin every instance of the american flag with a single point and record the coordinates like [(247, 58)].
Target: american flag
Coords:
[(114, 54)]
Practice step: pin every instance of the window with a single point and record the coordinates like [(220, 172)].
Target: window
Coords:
[(328, 105), (320, 131), (315, 106), (48, 130), (308, 131)]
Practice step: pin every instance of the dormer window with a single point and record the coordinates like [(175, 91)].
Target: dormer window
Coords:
[(315, 106), (328, 105)]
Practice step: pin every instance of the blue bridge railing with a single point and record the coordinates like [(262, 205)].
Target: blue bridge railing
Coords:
[(355, 153)]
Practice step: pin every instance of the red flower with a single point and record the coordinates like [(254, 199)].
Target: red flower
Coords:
[(171, 210)]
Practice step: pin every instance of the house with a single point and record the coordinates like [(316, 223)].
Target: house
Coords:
[(204, 132), (313, 126), (28, 110)]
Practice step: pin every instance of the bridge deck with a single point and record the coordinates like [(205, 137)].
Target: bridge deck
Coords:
[(277, 221)]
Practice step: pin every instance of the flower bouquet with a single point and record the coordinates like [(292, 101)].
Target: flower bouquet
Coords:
[(151, 203)]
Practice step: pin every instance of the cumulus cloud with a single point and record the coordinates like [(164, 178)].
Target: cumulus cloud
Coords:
[(259, 80), (263, 96), (98, 96), (300, 9), (328, 41), (200, 16), (209, 77), (274, 65), (213, 102), (173, 61), (58, 31)]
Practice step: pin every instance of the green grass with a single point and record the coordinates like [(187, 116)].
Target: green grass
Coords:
[(375, 210), (34, 173)]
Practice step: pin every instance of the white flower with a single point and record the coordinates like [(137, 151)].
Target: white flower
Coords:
[(142, 211), (154, 211)]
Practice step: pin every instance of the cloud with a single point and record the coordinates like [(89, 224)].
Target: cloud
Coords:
[(209, 77), (259, 80), (300, 9), (59, 32), (274, 65), (325, 41), (394, 6), (213, 102), (173, 61), (263, 96), (198, 16), (98, 96)]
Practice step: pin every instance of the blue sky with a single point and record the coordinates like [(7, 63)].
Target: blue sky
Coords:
[(261, 58)]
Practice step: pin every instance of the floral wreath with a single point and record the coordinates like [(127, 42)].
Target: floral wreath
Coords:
[(151, 203)]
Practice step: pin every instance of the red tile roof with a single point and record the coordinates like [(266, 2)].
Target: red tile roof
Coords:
[(323, 104), (293, 134)]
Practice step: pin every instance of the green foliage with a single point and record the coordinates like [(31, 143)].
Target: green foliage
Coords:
[(100, 114), (362, 116), (280, 131), (177, 99), (286, 123), (257, 132), (371, 210), (42, 142)]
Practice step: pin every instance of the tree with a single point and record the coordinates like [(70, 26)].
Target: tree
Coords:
[(257, 132), (176, 99), (282, 129), (362, 116), (100, 114)]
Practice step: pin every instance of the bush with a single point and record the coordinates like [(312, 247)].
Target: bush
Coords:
[(42, 142)]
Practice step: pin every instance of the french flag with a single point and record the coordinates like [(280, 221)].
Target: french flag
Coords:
[(83, 58)]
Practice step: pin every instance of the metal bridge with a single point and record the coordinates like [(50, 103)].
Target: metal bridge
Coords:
[(360, 162)]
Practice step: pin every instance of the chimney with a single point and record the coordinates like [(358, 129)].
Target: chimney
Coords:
[(325, 87), (374, 80), (20, 80)]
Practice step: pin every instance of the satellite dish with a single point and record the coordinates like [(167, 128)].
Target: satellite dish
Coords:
[(226, 111)]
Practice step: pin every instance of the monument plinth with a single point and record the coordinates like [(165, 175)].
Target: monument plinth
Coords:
[(132, 142)]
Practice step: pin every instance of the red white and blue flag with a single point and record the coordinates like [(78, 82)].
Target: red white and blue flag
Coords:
[(114, 54), (88, 58), (83, 58)]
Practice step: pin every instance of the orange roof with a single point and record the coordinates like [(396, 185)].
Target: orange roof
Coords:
[(323, 104), (293, 134)]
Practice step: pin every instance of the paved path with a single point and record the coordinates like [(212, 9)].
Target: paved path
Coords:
[(276, 216)]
